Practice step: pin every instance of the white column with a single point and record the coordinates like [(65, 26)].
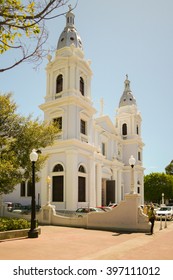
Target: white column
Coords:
[(71, 183), (89, 87), (118, 186), (77, 79), (65, 81), (91, 183), (142, 189), (132, 186), (114, 177), (48, 190), (98, 185), (72, 76), (43, 183)]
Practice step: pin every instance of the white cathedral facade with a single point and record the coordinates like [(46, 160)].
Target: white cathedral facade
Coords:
[(88, 165)]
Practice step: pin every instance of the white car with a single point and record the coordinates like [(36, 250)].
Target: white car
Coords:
[(85, 210), (165, 212)]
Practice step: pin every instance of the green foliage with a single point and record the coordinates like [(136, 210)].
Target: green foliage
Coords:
[(13, 224), (22, 27), (9, 176), (18, 136), (18, 19), (169, 168), (157, 183)]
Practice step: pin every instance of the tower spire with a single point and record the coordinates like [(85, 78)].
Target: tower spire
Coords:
[(127, 84), (69, 35), (70, 17), (127, 97)]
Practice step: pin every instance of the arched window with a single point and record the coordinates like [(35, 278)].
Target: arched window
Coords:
[(58, 184), (124, 129), (137, 129), (59, 83), (82, 86), (81, 185), (81, 169), (58, 168)]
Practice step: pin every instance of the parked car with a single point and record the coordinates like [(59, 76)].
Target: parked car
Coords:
[(12, 205), (85, 210), (156, 205), (8, 205), (113, 205), (25, 209), (165, 212), (105, 208)]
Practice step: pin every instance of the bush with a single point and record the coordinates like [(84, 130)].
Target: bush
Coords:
[(13, 223)]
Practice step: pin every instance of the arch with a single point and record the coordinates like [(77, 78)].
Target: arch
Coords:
[(58, 168), (82, 86), (137, 129), (59, 83), (81, 169), (107, 172), (124, 129)]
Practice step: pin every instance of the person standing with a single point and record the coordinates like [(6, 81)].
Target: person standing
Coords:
[(152, 218)]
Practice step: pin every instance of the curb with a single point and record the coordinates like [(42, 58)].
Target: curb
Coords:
[(11, 234)]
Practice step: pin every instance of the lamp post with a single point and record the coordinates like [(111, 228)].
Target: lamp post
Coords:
[(163, 202), (48, 190), (33, 233), (132, 162)]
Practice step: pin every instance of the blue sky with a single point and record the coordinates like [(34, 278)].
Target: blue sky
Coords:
[(133, 37)]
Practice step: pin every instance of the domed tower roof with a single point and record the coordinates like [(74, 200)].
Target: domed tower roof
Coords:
[(69, 35), (127, 98)]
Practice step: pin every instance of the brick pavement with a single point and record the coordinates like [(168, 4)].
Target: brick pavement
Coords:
[(65, 243)]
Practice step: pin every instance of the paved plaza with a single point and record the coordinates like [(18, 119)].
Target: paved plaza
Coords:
[(65, 243)]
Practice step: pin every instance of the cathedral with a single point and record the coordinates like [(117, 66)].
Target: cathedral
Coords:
[(88, 165)]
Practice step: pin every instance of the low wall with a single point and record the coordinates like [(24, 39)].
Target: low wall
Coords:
[(126, 217), (48, 216)]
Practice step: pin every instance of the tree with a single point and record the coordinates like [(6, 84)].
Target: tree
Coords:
[(18, 136), (157, 183), (22, 28), (169, 168)]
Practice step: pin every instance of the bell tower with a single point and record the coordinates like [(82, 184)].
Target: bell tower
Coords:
[(68, 93), (128, 124)]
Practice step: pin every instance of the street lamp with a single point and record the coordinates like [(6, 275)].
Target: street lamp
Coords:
[(33, 233), (132, 162), (48, 190), (163, 202)]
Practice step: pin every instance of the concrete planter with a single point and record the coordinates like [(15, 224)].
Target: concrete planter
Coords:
[(15, 233)]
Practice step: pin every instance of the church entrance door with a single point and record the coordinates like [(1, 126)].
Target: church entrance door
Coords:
[(110, 191)]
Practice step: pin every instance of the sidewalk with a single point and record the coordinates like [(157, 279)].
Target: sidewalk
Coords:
[(65, 243)]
